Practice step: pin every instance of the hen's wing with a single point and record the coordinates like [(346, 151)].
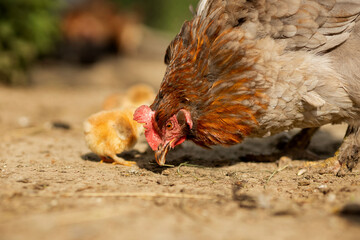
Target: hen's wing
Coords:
[(314, 25)]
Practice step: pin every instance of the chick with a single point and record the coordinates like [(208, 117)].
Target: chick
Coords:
[(134, 97), (112, 131)]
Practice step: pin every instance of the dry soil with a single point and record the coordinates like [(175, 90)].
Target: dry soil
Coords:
[(52, 187)]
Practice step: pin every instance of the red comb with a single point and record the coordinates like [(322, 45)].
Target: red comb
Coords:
[(143, 114)]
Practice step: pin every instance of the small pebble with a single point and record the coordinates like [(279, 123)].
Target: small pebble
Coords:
[(324, 189), (240, 184), (331, 197), (61, 125), (301, 172), (166, 172), (303, 183), (23, 180), (24, 121), (133, 171)]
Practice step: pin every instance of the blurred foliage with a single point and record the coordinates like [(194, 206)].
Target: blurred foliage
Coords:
[(167, 15), (28, 29)]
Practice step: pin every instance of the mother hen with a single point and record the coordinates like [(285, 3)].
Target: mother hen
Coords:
[(251, 68)]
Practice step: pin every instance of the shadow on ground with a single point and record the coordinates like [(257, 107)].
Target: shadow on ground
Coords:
[(218, 157)]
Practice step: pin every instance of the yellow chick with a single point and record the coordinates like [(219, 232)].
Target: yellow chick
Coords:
[(140, 94), (135, 96), (112, 131)]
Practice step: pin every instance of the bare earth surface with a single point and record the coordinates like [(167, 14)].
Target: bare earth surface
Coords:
[(53, 188)]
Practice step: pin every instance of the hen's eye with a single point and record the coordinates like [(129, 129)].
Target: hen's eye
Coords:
[(169, 125)]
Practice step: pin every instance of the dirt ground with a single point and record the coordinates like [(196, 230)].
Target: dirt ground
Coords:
[(52, 187)]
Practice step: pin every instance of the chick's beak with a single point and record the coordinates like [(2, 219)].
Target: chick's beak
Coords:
[(160, 154)]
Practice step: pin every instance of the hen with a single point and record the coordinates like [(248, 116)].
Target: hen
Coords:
[(92, 28), (255, 68)]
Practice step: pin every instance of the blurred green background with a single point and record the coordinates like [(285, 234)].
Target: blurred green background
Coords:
[(29, 29), (167, 15), (162, 14)]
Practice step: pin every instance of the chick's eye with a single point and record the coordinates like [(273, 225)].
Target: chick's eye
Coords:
[(169, 126)]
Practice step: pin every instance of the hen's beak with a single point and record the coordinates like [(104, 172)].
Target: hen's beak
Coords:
[(160, 154)]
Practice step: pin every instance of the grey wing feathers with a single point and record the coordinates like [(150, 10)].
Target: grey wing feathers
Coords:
[(313, 25)]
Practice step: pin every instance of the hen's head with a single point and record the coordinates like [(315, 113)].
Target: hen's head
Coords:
[(163, 138), (211, 93)]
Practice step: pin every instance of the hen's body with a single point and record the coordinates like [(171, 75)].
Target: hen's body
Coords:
[(253, 68), (309, 90)]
